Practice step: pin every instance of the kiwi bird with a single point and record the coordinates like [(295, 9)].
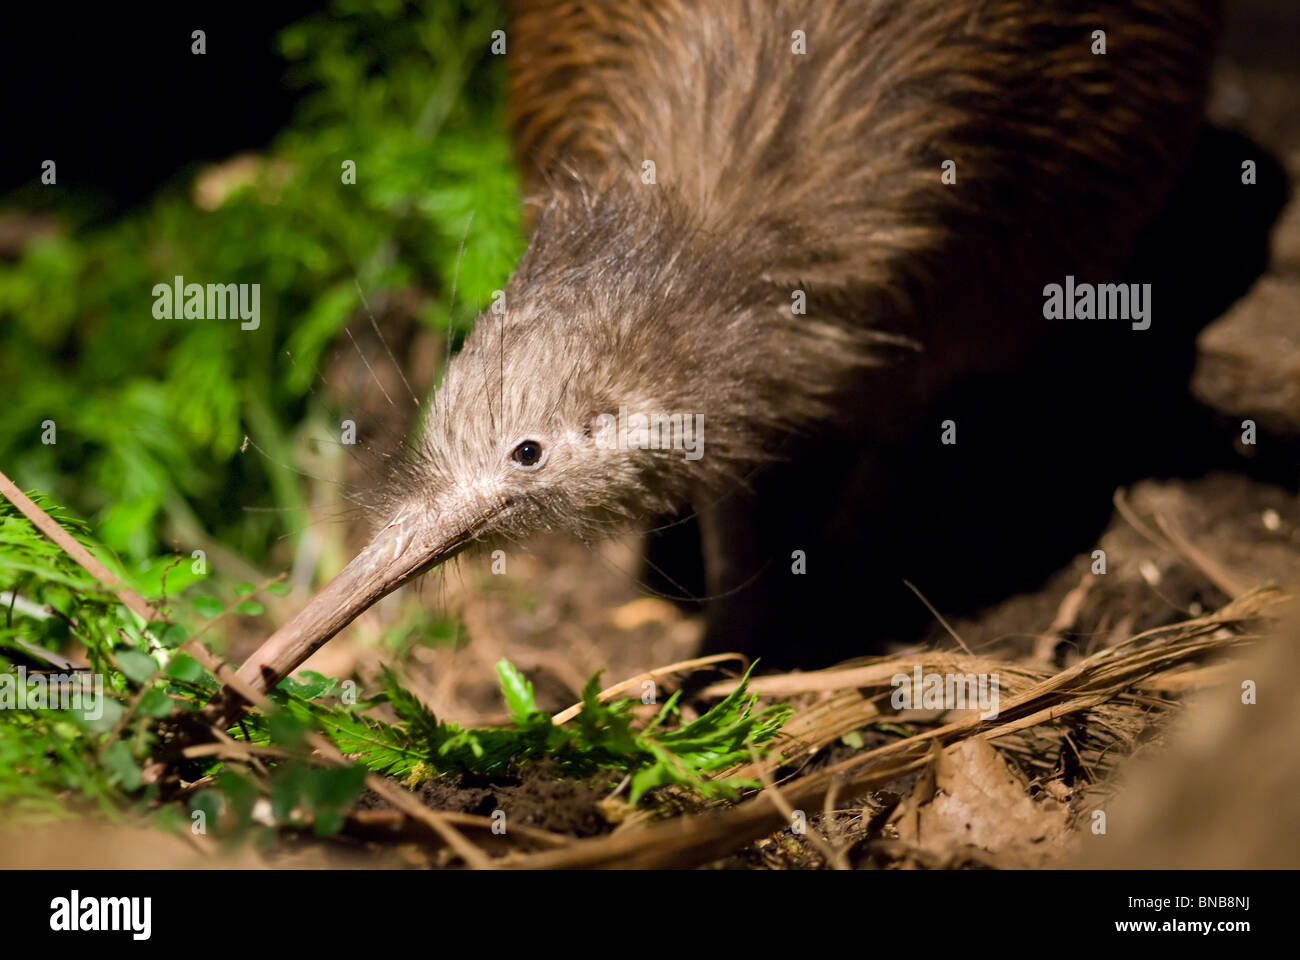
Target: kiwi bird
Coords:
[(789, 221)]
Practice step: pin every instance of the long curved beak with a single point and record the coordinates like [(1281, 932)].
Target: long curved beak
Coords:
[(410, 545)]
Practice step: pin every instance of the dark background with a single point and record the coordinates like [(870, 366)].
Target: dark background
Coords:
[(115, 97)]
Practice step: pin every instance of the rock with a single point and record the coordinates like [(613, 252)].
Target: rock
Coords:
[(1248, 362)]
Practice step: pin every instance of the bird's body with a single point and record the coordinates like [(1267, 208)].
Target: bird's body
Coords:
[(821, 170), (695, 168)]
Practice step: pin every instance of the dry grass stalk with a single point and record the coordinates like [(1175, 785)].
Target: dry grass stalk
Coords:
[(1104, 691)]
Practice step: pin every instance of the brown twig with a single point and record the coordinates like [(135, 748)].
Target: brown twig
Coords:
[(50, 527), (680, 666)]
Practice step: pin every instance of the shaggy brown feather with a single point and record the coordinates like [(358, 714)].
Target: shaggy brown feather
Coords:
[(778, 171)]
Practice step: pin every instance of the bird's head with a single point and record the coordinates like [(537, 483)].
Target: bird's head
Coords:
[(545, 420)]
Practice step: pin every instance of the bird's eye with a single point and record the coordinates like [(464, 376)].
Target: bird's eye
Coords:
[(527, 454)]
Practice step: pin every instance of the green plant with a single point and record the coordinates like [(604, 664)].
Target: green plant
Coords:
[(53, 761), (602, 737), (149, 413)]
